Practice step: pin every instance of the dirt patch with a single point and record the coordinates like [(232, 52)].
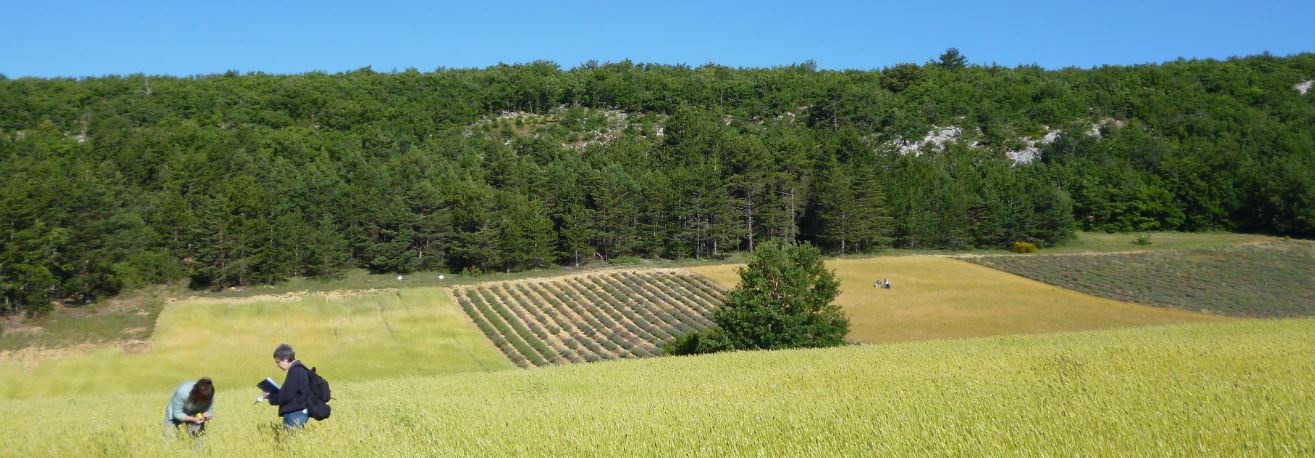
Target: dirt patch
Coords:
[(136, 347), (31, 357), (285, 297), (573, 275), (343, 294)]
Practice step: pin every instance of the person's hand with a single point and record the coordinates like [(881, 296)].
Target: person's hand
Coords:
[(264, 396), (203, 417)]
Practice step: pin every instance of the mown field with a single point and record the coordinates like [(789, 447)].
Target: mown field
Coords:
[(1271, 279), (945, 298), (1239, 388), (585, 318), (353, 337), (1100, 242)]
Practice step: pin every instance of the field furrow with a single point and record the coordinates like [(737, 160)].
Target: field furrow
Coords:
[(629, 332), (602, 329), (575, 328), (685, 313), (585, 318)]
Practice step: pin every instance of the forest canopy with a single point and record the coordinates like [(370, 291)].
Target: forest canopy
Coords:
[(116, 182)]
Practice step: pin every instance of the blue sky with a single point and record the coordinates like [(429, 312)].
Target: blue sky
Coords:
[(64, 38)]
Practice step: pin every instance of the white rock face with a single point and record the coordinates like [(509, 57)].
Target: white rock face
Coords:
[(1304, 86), (937, 138), (1032, 147)]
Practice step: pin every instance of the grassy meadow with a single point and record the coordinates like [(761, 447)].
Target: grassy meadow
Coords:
[(945, 298), (1100, 242), (352, 337), (1237, 388), (1255, 280)]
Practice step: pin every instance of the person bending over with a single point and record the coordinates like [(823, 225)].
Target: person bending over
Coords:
[(192, 404)]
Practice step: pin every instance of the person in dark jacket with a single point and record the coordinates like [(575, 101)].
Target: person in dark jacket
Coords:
[(291, 397)]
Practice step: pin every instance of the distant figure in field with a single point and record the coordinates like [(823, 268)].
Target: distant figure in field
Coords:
[(887, 283), (192, 404), (291, 397)]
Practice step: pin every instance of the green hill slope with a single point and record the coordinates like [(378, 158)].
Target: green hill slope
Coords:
[(1228, 389)]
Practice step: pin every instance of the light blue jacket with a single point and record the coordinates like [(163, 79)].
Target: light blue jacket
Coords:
[(179, 408)]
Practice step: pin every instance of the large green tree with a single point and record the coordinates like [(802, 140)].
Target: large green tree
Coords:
[(784, 300)]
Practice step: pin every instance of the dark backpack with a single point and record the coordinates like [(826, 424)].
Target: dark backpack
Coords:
[(317, 397)]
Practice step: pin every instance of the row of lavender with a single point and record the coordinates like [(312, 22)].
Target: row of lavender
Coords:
[(590, 318)]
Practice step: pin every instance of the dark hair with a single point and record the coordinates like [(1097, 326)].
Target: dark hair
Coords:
[(284, 353), (202, 392)]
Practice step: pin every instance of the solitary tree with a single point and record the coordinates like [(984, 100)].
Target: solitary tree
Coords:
[(784, 300), (951, 59)]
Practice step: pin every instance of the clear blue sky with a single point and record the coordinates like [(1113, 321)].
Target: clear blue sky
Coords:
[(73, 38)]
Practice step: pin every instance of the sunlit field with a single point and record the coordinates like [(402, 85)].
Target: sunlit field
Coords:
[(389, 334), (1270, 279), (944, 298), (1240, 388)]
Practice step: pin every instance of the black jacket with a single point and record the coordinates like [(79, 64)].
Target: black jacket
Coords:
[(291, 397)]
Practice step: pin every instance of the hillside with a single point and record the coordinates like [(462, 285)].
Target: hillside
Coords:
[(233, 180), (1228, 389)]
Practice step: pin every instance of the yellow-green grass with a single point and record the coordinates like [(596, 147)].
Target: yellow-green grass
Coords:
[(1238, 388), (412, 331), (945, 298)]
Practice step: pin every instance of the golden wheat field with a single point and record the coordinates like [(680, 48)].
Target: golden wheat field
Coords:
[(944, 298), (1237, 388)]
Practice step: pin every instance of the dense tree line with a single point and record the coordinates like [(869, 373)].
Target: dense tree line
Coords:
[(115, 182)]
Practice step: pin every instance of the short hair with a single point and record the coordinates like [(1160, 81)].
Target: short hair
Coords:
[(202, 392), (284, 353)]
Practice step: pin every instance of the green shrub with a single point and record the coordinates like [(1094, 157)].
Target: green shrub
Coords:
[(1143, 240), (623, 260), (1024, 247)]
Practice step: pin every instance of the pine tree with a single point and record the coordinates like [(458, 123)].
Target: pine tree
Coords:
[(871, 221), (951, 59), (839, 208)]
